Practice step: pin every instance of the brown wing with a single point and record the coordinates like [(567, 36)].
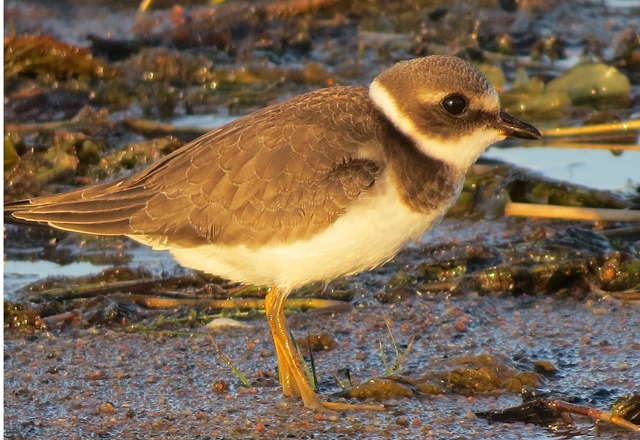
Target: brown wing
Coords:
[(282, 173)]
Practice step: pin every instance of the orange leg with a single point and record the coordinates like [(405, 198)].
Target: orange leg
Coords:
[(292, 376), (275, 316)]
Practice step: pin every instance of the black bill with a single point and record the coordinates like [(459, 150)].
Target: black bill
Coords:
[(511, 126)]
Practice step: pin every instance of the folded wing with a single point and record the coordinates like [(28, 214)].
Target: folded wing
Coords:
[(279, 174)]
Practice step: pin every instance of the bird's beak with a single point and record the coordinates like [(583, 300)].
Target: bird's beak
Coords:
[(510, 126)]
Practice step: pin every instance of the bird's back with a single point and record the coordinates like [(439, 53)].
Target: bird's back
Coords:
[(278, 174)]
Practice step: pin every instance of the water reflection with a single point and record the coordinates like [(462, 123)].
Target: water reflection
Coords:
[(594, 168)]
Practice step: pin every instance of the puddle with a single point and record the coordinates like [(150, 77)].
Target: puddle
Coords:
[(209, 121), (593, 168), (18, 274)]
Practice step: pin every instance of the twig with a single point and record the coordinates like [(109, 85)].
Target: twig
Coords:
[(291, 8), (151, 128), (633, 124), (313, 364), (625, 295), (571, 212), (96, 289), (593, 413), (340, 382), (37, 127), (629, 232), (227, 361), (621, 295), (404, 354), (387, 371), (393, 343), (144, 5), (438, 286), (154, 302), (311, 374)]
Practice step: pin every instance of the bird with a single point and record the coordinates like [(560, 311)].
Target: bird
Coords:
[(325, 184)]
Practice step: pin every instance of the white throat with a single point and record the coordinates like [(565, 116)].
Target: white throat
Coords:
[(460, 153)]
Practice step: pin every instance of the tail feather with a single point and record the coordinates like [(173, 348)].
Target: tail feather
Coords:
[(103, 209), (76, 215), (116, 227)]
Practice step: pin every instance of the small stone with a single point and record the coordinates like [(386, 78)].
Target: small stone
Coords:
[(228, 326), (460, 326), (106, 408), (321, 342), (95, 375), (220, 386), (544, 367)]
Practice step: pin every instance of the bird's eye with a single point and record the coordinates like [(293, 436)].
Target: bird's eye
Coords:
[(454, 104)]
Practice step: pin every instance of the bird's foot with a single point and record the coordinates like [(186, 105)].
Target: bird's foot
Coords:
[(332, 410)]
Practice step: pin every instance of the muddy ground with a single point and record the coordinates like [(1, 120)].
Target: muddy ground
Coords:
[(108, 382), (489, 310)]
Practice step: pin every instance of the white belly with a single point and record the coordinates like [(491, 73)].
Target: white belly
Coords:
[(365, 237)]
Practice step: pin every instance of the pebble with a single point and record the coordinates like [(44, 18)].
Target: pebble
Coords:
[(106, 408), (228, 326)]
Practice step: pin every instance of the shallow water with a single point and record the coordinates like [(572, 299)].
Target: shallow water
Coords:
[(17, 274), (593, 168)]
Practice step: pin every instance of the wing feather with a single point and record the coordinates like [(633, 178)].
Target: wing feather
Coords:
[(282, 173)]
